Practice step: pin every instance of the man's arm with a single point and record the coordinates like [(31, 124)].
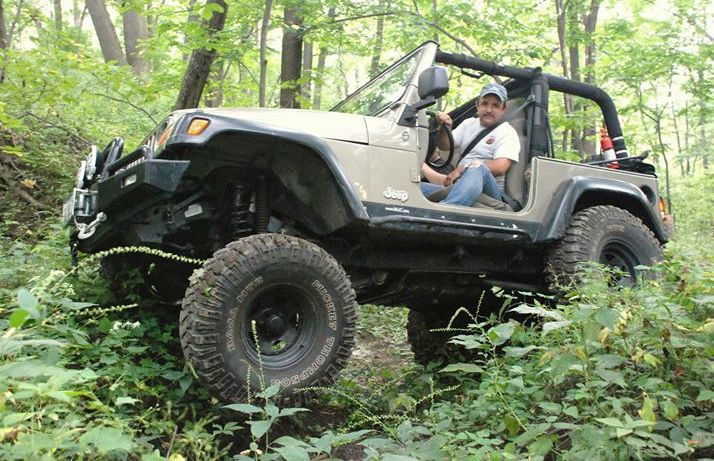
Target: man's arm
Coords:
[(498, 166), (442, 118), (432, 175)]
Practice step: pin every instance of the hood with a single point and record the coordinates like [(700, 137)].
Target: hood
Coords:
[(327, 125)]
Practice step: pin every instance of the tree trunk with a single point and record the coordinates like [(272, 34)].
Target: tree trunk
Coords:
[(589, 23), (560, 13), (378, 44), (322, 57), (702, 122), (58, 15), (135, 33), (107, 36), (306, 71), (686, 136), (76, 12), (199, 65), (3, 28), (263, 52), (214, 98), (291, 59)]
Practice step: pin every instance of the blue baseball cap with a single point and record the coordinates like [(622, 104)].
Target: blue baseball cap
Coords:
[(495, 89)]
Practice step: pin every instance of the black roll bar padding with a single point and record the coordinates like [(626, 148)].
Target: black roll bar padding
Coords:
[(585, 90), (539, 119)]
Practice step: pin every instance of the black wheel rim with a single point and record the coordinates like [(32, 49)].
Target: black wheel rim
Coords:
[(618, 255), (285, 319)]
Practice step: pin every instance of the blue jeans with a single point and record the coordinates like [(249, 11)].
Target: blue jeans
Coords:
[(468, 187)]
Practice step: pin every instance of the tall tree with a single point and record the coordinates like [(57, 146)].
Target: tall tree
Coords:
[(199, 66), (307, 57), (378, 43), (135, 33), (58, 14), (3, 28), (263, 52), (107, 36), (320, 69), (291, 58)]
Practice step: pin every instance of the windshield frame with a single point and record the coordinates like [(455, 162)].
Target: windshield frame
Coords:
[(416, 54)]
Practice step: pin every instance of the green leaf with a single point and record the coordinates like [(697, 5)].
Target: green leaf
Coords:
[(291, 411), (17, 318), (519, 351), (671, 411), (259, 428), (607, 317), (293, 453), (609, 361), (244, 408), (106, 439), (541, 446), (126, 401), (501, 333), (537, 310), (552, 326), (614, 377), (462, 367), (271, 391), (271, 410), (28, 302), (572, 412), (705, 394), (621, 432), (62, 396), (612, 422)]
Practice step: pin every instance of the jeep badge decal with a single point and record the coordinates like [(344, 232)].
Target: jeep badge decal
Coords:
[(396, 194)]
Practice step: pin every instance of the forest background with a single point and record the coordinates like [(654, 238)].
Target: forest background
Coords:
[(87, 382)]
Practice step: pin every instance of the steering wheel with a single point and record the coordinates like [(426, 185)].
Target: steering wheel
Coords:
[(440, 160), (111, 153)]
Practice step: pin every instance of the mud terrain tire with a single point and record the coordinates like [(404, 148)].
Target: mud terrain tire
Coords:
[(604, 234), (301, 303)]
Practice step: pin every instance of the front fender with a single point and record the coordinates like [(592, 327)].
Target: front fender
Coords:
[(277, 146), (581, 192)]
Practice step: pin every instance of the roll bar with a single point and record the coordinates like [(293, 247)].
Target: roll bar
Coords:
[(585, 90)]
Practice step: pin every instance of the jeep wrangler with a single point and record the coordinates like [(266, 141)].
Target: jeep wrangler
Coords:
[(299, 215)]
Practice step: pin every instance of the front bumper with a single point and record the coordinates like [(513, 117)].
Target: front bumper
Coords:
[(103, 205)]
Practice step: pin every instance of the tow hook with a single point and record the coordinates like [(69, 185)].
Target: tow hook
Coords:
[(87, 230)]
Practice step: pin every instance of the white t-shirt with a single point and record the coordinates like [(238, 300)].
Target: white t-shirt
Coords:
[(502, 142)]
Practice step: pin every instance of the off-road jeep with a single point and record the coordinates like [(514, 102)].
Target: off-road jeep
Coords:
[(303, 214)]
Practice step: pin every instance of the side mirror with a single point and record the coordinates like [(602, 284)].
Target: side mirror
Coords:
[(433, 83)]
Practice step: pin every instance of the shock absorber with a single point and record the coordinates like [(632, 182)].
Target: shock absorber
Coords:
[(239, 224), (262, 204)]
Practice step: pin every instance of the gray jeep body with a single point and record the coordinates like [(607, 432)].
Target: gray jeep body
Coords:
[(301, 214), (351, 182)]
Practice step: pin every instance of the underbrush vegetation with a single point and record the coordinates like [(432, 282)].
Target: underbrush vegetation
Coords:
[(611, 374)]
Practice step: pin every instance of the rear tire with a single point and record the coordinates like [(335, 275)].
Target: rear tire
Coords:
[(607, 235), (433, 347), (300, 302)]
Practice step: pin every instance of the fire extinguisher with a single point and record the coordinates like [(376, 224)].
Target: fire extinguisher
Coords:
[(608, 150)]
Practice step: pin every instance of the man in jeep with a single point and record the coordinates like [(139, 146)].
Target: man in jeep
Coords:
[(485, 162)]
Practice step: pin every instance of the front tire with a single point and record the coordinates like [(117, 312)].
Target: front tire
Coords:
[(607, 235), (268, 309)]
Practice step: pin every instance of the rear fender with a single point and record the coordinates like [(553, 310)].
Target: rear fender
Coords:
[(583, 192)]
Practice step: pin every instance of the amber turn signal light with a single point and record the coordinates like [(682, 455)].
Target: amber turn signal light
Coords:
[(662, 207), (197, 126)]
